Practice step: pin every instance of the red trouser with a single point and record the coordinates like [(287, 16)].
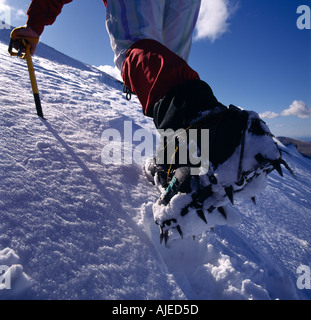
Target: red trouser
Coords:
[(150, 70)]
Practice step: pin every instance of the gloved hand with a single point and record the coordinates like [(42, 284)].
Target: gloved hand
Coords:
[(27, 33)]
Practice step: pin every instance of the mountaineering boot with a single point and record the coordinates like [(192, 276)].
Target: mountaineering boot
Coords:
[(242, 152)]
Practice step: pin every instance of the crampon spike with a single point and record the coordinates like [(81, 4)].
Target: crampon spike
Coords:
[(222, 212), (284, 163), (164, 236), (254, 200), (277, 166), (201, 215), (229, 193), (178, 228)]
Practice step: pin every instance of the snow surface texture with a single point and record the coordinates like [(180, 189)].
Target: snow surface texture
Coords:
[(72, 227)]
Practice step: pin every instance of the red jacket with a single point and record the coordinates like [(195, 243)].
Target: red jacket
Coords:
[(44, 12)]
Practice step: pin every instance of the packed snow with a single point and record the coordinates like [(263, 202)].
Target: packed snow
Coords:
[(73, 226)]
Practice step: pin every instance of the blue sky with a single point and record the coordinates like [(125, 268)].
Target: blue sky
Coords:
[(252, 53)]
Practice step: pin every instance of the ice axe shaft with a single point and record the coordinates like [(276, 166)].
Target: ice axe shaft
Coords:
[(33, 81), (24, 53)]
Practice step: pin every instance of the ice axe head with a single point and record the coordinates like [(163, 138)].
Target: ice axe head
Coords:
[(20, 44)]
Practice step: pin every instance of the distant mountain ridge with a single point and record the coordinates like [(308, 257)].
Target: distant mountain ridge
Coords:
[(303, 147)]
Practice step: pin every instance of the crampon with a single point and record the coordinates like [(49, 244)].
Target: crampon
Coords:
[(190, 205)]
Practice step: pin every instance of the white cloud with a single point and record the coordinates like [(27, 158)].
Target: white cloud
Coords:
[(112, 71), (299, 109), (20, 14), (268, 115), (213, 19)]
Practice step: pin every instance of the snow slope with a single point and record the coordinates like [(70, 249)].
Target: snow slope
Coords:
[(72, 227)]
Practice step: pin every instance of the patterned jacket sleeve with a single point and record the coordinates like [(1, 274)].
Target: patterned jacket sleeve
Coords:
[(44, 12)]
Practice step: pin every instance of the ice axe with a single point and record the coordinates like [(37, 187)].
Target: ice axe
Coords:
[(24, 53)]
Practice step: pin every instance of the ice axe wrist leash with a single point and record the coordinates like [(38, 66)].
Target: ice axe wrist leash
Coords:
[(24, 53)]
